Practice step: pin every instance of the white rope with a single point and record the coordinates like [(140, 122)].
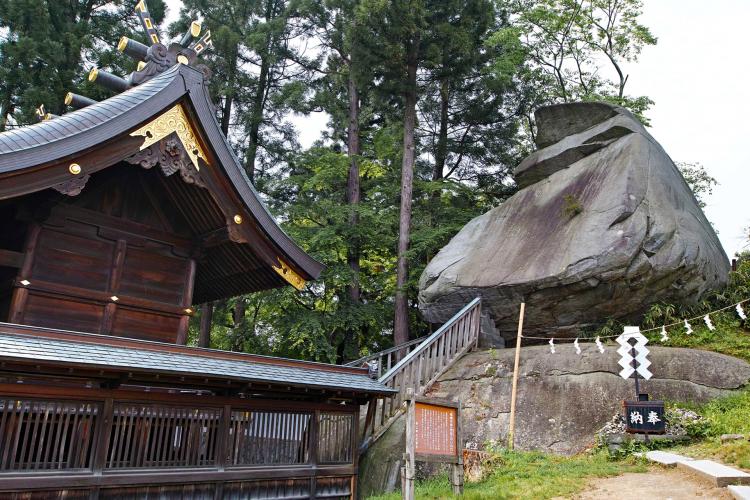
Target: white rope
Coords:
[(663, 329)]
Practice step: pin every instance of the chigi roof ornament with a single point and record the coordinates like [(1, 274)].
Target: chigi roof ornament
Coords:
[(153, 59)]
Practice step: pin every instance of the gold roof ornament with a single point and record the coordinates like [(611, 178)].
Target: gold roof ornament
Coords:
[(171, 121), (289, 275)]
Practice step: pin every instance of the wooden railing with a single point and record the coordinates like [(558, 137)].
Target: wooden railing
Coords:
[(421, 367), (384, 360)]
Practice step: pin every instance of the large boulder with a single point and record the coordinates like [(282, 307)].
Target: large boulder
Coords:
[(603, 226), (563, 398)]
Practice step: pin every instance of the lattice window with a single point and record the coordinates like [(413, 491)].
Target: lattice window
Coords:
[(335, 437), (162, 436), (44, 435), (268, 438)]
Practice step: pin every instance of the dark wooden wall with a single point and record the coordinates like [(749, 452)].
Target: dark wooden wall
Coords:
[(112, 444), (117, 259)]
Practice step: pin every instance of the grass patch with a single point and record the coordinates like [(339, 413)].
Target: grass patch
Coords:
[(529, 475), (730, 415), (729, 337)]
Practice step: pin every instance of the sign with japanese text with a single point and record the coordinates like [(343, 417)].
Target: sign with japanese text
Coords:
[(435, 429), (644, 417)]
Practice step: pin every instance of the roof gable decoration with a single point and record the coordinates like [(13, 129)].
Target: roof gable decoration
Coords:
[(173, 121)]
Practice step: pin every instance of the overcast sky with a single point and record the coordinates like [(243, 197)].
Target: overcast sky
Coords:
[(699, 76)]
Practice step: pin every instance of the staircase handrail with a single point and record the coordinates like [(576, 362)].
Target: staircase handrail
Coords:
[(370, 357), (430, 339), (417, 371)]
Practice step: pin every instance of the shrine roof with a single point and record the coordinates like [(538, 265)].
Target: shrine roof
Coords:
[(80, 350), (37, 157)]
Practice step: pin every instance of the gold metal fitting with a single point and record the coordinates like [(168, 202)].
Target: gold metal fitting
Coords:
[(141, 65), (195, 28), (189, 311), (122, 44), (114, 298), (68, 98), (25, 282), (74, 168), (182, 59), (93, 74), (238, 219)]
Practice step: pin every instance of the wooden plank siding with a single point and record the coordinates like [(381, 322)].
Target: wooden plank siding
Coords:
[(52, 447)]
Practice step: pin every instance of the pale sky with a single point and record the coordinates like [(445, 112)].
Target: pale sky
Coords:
[(699, 77)]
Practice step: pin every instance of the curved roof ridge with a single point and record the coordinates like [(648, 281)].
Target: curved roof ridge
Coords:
[(80, 120)]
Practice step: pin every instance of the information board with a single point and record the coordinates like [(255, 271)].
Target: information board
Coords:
[(435, 429)]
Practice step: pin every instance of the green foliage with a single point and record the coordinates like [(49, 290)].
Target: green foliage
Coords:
[(571, 206), (483, 66), (47, 47), (728, 415), (576, 49), (731, 336), (529, 475), (697, 178)]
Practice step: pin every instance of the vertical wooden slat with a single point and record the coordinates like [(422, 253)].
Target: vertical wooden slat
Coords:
[(103, 433), (53, 436)]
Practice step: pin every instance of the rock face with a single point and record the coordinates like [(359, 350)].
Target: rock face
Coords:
[(563, 398), (603, 226)]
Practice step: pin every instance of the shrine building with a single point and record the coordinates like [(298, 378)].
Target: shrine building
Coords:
[(116, 218)]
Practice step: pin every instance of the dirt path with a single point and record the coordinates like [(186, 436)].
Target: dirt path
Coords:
[(656, 484)]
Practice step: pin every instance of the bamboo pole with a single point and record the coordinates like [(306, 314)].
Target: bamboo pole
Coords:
[(513, 393)]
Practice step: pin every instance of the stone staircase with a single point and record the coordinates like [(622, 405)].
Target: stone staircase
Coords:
[(719, 475)]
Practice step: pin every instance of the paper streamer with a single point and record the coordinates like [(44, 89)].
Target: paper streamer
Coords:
[(552, 346), (664, 336), (710, 325), (599, 345), (578, 348), (740, 311), (688, 328)]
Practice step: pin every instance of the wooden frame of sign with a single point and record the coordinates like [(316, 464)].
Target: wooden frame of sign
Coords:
[(433, 434)]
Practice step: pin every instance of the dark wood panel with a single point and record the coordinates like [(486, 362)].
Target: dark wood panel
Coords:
[(55, 312), (144, 325), (154, 277), (73, 260), (9, 258)]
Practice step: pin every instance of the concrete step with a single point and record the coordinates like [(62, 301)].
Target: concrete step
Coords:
[(665, 458), (739, 492), (714, 473)]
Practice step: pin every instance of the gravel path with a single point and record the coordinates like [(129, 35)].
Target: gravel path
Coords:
[(657, 484)]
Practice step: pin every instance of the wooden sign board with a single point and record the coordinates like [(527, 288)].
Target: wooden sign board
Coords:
[(435, 430), (433, 434)]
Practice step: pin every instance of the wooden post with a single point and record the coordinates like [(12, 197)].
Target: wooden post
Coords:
[(513, 392), (407, 479), (207, 313), (457, 469)]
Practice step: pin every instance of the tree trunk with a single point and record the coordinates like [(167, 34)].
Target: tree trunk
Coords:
[(256, 118), (441, 150), (401, 320), (353, 187), (259, 99), (207, 314), (239, 324), (353, 197)]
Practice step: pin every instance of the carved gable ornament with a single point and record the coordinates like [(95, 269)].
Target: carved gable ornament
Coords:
[(173, 121)]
